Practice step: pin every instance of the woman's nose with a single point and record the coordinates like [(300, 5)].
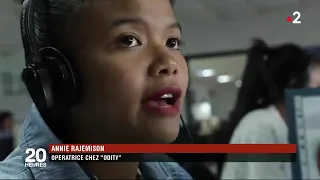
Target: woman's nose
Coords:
[(163, 64)]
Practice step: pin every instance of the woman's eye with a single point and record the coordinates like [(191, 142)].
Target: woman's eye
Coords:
[(129, 41), (173, 43)]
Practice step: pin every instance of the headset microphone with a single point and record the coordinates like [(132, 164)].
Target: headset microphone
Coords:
[(187, 130)]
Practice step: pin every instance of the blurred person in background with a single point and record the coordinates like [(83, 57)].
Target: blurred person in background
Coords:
[(6, 134), (314, 70), (259, 116), (131, 78)]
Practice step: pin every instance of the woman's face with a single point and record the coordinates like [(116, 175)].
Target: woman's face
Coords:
[(128, 59), (314, 80)]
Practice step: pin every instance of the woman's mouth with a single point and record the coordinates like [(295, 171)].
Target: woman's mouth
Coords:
[(165, 102)]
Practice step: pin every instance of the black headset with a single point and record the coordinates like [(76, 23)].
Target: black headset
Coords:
[(49, 76)]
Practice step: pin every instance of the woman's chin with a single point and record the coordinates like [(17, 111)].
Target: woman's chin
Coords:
[(162, 136)]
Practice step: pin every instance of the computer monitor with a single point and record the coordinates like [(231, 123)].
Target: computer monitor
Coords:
[(303, 108)]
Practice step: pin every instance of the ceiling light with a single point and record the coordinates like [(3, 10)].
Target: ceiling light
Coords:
[(206, 73), (202, 111), (224, 79), (238, 83)]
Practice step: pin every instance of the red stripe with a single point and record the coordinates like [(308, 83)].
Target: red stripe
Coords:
[(177, 148)]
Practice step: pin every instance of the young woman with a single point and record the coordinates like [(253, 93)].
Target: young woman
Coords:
[(133, 83), (259, 115)]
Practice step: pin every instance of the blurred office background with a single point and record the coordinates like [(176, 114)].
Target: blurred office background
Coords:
[(216, 34)]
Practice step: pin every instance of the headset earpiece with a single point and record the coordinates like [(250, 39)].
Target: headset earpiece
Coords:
[(51, 83), (37, 81), (63, 77)]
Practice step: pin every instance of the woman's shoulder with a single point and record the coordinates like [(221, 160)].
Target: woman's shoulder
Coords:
[(164, 169), (13, 167), (176, 171), (258, 126), (264, 117), (171, 170)]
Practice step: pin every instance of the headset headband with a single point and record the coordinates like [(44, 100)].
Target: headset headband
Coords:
[(27, 33)]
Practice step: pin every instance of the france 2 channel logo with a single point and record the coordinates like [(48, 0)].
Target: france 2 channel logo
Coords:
[(296, 19)]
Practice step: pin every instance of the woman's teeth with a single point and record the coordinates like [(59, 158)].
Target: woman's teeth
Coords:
[(167, 96)]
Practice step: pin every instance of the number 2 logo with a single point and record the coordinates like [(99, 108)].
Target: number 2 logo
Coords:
[(34, 155), (297, 16)]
